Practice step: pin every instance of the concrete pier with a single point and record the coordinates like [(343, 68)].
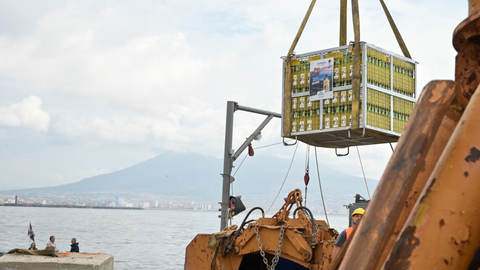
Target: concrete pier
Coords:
[(69, 262)]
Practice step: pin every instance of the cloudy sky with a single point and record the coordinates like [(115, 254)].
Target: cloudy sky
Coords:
[(91, 87)]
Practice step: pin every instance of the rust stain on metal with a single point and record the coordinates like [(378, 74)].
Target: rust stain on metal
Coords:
[(474, 155), (429, 189), (471, 78), (403, 251)]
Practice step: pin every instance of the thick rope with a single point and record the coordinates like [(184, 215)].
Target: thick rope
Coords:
[(359, 158), (320, 184), (284, 179)]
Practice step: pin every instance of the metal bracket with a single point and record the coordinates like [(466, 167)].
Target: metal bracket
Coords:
[(286, 144), (342, 155), (363, 135)]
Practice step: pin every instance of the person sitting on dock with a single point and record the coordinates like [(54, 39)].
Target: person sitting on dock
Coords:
[(33, 246), (342, 238), (74, 246), (51, 243)]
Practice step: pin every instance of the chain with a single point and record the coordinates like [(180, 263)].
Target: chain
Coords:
[(277, 252)]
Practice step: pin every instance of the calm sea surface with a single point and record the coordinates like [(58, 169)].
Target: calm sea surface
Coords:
[(139, 239)]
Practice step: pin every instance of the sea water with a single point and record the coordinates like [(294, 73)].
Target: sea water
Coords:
[(138, 239)]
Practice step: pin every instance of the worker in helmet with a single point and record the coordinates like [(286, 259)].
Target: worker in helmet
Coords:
[(342, 238)]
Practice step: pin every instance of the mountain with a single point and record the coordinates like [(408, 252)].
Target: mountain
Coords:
[(189, 174)]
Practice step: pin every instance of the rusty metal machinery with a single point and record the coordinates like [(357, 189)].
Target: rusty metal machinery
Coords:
[(301, 242), (426, 210)]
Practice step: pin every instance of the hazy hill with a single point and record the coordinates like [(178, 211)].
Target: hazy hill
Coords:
[(196, 176)]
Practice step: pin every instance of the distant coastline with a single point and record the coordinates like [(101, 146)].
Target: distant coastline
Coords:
[(70, 206)]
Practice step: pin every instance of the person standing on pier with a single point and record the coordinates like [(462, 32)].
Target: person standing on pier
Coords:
[(74, 246), (51, 243), (33, 246)]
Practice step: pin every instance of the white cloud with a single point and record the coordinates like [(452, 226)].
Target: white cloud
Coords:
[(55, 177), (157, 75), (90, 173), (192, 125), (26, 114)]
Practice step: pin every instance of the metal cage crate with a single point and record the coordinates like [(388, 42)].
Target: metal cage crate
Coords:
[(387, 97)]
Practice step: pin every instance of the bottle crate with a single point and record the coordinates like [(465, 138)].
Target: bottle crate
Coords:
[(387, 97)]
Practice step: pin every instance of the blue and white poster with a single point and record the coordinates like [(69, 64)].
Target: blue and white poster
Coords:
[(321, 79)]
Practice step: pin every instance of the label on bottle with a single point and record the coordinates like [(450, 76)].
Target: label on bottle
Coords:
[(309, 124), (294, 126), (295, 80), (335, 121), (294, 103), (343, 96), (344, 121), (302, 102), (326, 101), (335, 97), (302, 126), (327, 122), (326, 84), (351, 71), (302, 78), (344, 72), (350, 95), (309, 102), (335, 73)]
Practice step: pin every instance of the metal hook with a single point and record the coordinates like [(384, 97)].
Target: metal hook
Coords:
[(286, 144), (342, 155), (363, 135)]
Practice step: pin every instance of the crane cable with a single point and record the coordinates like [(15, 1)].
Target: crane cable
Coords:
[(260, 147), (283, 179), (360, 159), (306, 178), (320, 184), (231, 185)]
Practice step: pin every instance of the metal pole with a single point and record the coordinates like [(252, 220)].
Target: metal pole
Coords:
[(227, 163), (251, 138), (257, 111)]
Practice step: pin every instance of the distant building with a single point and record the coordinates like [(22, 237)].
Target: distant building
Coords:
[(118, 201)]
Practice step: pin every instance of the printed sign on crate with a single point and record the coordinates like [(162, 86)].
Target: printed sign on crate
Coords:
[(321, 79)]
